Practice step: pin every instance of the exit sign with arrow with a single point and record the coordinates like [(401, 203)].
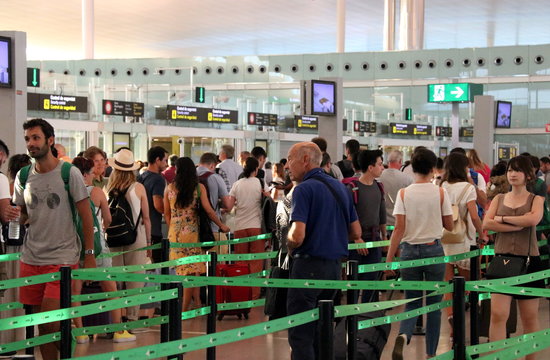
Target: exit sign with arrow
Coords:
[(33, 77), (457, 92)]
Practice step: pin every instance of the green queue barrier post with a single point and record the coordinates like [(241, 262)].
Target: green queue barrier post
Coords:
[(65, 303), (459, 318), (211, 300), (165, 305), (326, 330), (352, 297)]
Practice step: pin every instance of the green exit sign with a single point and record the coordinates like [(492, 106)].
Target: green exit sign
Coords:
[(459, 92), (199, 94), (33, 77)]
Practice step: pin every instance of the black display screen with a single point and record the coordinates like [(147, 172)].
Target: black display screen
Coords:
[(5, 62), (323, 98), (503, 114), (122, 108)]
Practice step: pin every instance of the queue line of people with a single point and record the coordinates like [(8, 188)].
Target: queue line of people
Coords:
[(317, 217)]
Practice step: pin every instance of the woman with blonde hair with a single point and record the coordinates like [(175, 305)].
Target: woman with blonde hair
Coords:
[(478, 165), (122, 182)]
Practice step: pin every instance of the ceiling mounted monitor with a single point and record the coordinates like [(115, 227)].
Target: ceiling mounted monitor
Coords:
[(323, 98), (6, 68)]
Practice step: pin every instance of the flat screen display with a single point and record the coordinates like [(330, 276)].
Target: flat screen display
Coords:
[(504, 114), (323, 98), (5, 62)]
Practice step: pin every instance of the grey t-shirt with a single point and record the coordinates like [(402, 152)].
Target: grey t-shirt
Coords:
[(216, 189), (371, 208), (51, 238), (393, 181)]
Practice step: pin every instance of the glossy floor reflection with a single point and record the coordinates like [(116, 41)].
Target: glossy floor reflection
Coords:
[(274, 346)]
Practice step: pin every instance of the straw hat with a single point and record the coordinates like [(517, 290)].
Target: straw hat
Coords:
[(123, 161)]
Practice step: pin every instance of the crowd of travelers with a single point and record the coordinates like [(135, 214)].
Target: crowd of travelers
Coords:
[(61, 211)]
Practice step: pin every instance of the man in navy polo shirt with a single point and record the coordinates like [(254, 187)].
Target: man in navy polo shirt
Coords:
[(323, 221)]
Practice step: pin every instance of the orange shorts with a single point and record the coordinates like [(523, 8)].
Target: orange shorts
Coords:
[(34, 294)]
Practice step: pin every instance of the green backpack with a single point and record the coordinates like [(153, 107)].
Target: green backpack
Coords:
[(65, 175)]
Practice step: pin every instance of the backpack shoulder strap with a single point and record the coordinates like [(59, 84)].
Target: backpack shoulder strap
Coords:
[(66, 173), (402, 194), (24, 176), (463, 193), (380, 186)]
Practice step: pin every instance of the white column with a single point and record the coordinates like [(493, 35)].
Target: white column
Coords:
[(418, 24), (411, 25), (88, 29), (389, 25), (341, 26)]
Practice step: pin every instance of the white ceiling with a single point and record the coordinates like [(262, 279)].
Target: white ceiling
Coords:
[(174, 28)]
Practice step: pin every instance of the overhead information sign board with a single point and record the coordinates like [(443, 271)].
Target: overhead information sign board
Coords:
[(122, 108), (364, 126), (410, 129), (306, 122), (466, 132), (192, 113), (458, 92), (443, 131), (255, 118), (506, 152), (51, 102)]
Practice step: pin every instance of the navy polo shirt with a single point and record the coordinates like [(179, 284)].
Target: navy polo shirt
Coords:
[(326, 228)]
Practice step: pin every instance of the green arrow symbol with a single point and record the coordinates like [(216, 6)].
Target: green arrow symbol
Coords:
[(34, 80), (201, 95), (458, 92)]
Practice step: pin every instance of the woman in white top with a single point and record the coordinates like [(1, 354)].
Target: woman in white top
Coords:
[(246, 196), (421, 211), (123, 179), (463, 194), (104, 217)]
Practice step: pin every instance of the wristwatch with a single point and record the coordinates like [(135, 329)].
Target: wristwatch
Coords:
[(89, 252)]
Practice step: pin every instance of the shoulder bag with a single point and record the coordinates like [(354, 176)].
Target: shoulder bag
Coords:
[(205, 228), (504, 266)]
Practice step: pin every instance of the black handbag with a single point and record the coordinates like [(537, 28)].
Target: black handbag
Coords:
[(504, 266), (275, 298), (205, 228)]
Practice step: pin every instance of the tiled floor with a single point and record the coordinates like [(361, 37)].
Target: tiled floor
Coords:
[(275, 346)]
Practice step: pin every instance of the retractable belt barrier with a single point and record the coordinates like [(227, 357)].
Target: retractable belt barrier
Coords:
[(511, 348)]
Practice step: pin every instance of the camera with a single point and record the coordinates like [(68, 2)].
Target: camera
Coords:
[(180, 141)]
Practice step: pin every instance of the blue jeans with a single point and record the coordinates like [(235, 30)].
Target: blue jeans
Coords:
[(423, 273), (303, 338), (374, 257)]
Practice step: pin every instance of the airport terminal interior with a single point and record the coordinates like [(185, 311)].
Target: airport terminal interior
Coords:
[(192, 76)]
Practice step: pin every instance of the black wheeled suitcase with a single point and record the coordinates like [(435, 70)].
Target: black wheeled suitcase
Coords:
[(103, 318)]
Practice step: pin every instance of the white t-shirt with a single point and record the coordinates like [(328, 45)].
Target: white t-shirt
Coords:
[(4, 191), (248, 195), (481, 183), (454, 191), (423, 212)]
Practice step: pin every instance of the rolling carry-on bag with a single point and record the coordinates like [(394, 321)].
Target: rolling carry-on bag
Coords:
[(231, 294)]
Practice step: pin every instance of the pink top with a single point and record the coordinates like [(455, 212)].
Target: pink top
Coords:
[(485, 172)]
